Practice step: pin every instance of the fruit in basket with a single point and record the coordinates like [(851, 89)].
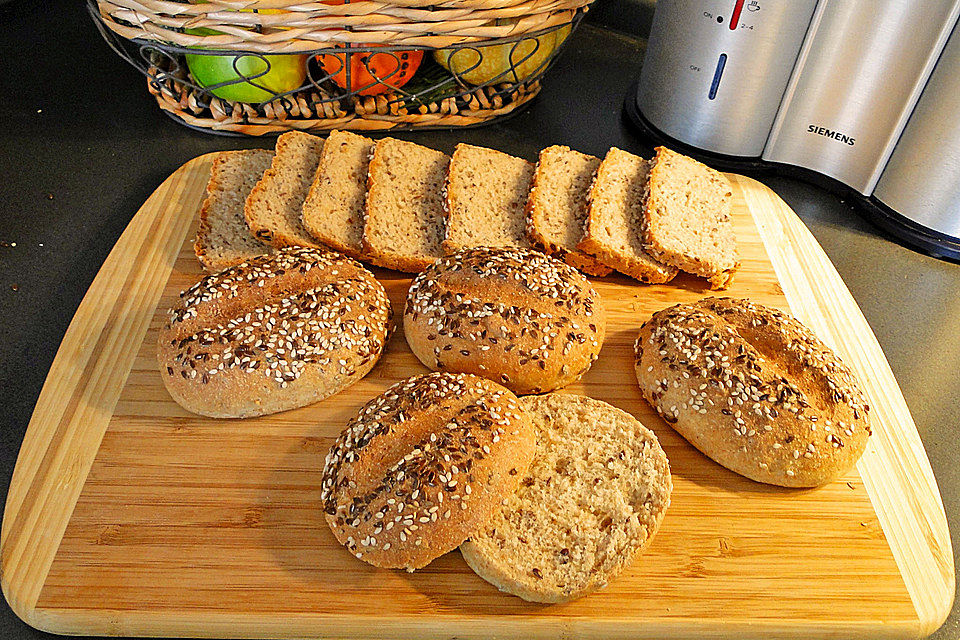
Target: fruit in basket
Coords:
[(507, 62), (281, 73), (368, 69)]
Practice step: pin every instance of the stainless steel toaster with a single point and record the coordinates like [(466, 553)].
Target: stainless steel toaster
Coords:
[(864, 93)]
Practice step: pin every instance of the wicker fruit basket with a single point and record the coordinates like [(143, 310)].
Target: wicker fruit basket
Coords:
[(258, 67)]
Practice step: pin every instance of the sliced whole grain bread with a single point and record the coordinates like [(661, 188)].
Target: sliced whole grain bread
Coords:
[(687, 218), (593, 498), (404, 220), (613, 233), (223, 238), (334, 208), (273, 207), (557, 206), (486, 197)]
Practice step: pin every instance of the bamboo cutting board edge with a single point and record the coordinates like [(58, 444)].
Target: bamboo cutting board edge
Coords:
[(62, 440), (917, 532)]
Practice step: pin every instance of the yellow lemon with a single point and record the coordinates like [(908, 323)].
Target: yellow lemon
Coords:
[(510, 62)]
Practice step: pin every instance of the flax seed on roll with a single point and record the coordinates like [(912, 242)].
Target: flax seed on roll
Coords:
[(424, 466), (754, 390), (516, 316), (273, 333)]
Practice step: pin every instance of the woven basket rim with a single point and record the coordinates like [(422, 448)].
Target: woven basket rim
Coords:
[(341, 48), (313, 26)]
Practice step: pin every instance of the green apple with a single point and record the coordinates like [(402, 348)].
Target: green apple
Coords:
[(286, 73)]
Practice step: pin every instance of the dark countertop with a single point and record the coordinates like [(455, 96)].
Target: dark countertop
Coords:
[(84, 145)]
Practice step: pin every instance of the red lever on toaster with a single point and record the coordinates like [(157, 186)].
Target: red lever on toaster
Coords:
[(735, 17)]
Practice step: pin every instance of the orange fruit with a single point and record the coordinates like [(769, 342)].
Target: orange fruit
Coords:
[(371, 73)]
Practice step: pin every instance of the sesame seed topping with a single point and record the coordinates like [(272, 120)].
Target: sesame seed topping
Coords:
[(417, 487)]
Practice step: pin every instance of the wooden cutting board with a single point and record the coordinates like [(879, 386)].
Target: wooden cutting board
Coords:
[(127, 515)]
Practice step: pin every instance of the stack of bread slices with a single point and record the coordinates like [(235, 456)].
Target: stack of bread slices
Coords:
[(400, 205)]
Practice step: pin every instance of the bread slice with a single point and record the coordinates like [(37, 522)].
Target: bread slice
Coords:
[(557, 207), (223, 239), (687, 218), (334, 208), (486, 199), (594, 496), (613, 233), (273, 207), (404, 216)]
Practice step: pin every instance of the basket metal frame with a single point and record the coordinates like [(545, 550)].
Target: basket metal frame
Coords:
[(162, 62)]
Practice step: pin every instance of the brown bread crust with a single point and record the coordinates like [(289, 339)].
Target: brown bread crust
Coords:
[(205, 244), (640, 266), (271, 196), (273, 333), (536, 214), (754, 390), (423, 467), (516, 316), (584, 262)]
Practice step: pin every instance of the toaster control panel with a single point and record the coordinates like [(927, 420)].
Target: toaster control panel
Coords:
[(748, 10), (709, 63)]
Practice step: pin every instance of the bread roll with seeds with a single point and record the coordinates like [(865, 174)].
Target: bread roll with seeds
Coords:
[(754, 390), (423, 467), (516, 316), (594, 497), (273, 333)]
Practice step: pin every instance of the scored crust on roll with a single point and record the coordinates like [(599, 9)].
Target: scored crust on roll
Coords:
[(516, 316), (754, 390), (273, 333), (424, 466)]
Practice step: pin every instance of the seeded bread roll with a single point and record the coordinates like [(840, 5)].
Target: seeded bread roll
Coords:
[(273, 333), (516, 316), (754, 390), (594, 497), (424, 466)]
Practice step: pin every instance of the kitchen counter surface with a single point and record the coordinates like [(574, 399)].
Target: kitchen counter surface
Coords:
[(84, 145)]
